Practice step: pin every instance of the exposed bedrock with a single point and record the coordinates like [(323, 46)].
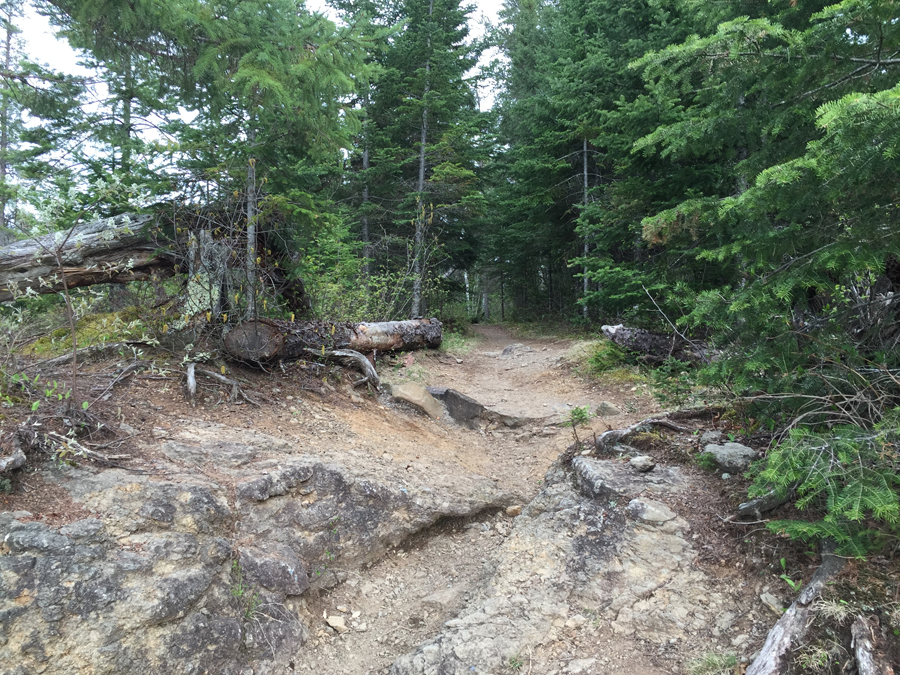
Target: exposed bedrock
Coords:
[(599, 537), (201, 566)]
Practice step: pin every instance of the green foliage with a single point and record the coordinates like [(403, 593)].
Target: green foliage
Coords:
[(795, 585), (673, 383), (707, 461), (92, 329), (713, 664), (579, 416), (605, 356), (847, 480), (247, 597), (456, 342)]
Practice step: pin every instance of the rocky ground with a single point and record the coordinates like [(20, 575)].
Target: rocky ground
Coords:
[(327, 531)]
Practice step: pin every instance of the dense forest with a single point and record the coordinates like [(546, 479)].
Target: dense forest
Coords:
[(725, 172)]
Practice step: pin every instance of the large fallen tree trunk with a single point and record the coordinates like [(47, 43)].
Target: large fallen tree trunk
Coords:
[(267, 339), (109, 251)]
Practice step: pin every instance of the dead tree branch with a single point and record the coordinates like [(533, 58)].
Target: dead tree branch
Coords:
[(774, 657)]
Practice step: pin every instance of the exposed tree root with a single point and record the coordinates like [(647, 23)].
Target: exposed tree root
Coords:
[(350, 357), (774, 657)]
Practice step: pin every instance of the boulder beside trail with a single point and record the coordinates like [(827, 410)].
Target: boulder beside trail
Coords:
[(731, 457), (463, 409), (417, 395)]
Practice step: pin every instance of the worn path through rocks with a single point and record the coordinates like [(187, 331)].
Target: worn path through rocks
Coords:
[(353, 535), (548, 591), (404, 599)]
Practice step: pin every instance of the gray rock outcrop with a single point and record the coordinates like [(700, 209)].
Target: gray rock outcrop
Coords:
[(200, 566), (417, 395), (607, 409), (599, 538), (464, 409)]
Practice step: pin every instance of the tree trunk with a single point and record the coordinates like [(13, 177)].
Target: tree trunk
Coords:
[(418, 252), (207, 266), (110, 251), (584, 270), (367, 244), (502, 306), (5, 122), (127, 98), (251, 231), (267, 339)]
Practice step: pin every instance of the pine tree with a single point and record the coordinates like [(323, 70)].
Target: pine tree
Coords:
[(424, 113), (10, 110)]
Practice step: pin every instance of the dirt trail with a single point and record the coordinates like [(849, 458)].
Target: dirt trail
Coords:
[(536, 384), (404, 599)]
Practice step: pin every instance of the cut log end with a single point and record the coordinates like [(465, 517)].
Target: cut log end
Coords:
[(254, 341)]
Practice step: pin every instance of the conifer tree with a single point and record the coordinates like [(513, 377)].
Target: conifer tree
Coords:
[(424, 110)]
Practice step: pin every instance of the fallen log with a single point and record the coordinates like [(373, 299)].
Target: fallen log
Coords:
[(109, 251), (775, 654), (267, 339), (656, 347)]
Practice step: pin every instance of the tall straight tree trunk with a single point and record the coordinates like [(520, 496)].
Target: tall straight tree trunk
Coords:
[(4, 122), (585, 269), (502, 306), (485, 298), (418, 266), (251, 230), (367, 243), (468, 297), (126, 116)]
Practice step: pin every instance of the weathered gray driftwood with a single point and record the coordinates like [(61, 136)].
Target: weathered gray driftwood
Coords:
[(767, 502), (112, 250), (869, 660)]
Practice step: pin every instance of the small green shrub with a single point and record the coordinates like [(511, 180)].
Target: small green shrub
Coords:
[(605, 356), (707, 461)]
